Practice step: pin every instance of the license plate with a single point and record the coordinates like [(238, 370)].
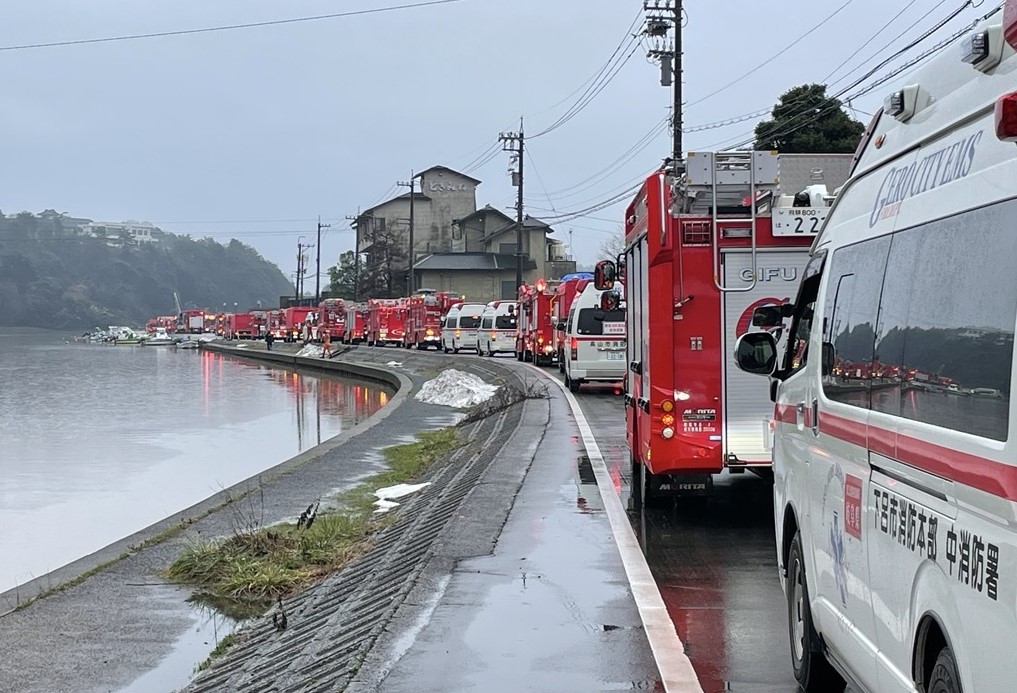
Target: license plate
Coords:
[(615, 356)]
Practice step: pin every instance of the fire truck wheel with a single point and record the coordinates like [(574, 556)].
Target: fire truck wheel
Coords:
[(519, 356), (944, 677), (811, 669), (636, 490), (422, 346), (456, 350)]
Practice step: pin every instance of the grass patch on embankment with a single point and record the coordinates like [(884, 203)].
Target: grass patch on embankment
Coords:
[(254, 565)]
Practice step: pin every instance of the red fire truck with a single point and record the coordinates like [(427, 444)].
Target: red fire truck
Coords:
[(356, 323), (535, 339), (332, 319), (424, 311), (193, 321), (570, 286), (274, 324), (700, 256), (242, 326), (384, 321), (293, 319)]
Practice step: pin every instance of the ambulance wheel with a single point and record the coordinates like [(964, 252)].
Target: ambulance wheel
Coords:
[(561, 363), (944, 677), (572, 383), (520, 356), (812, 671)]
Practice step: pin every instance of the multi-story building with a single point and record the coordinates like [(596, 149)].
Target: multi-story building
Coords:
[(456, 247)]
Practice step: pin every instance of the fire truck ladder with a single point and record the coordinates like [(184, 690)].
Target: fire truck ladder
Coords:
[(732, 178)]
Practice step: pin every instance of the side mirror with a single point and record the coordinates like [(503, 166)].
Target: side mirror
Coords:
[(771, 316), (609, 300), (560, 326), (604, 275), (756, 353)]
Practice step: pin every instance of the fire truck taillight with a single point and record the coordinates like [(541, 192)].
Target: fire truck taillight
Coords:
[(667, 420), (1006, 117), (667, 433), (667, 405), (429, 333)]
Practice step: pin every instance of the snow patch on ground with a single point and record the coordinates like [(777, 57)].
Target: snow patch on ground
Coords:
[(394, 364), (385, 495), (310, 350), (457, 389)]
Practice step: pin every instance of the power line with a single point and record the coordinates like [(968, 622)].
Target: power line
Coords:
[(885, 78), (228, 27), (541, 181), (597, 83), (840, 95), (772, 58)]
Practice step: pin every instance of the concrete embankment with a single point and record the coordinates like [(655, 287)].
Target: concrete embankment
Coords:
[(115, 618)]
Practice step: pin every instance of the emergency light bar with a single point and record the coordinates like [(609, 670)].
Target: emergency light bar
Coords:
[(902, 104), (984, 49)]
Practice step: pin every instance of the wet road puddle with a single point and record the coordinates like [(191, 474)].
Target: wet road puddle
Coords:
[(193, 647)]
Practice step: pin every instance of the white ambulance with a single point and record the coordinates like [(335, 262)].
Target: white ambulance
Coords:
[(459, 331), (895, 445), (594, 341), (497, 332)]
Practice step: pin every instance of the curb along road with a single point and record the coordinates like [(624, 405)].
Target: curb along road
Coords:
[(675, 667)]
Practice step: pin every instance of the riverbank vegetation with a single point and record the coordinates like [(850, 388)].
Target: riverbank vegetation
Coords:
[(243, 573)]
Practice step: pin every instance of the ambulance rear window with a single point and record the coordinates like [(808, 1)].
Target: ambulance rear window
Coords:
[(589, 323), (505, 322)]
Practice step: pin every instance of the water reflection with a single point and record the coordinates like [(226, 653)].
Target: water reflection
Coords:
[(113, 439)]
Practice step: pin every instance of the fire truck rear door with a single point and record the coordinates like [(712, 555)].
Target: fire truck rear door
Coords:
[(747, 405)]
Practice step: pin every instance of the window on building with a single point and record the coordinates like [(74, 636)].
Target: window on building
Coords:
[(508, 248)]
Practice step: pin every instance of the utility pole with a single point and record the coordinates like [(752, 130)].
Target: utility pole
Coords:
[(301, 266), (661, 17), (513, 142), (356, 254), (412, 185), (317, 273)]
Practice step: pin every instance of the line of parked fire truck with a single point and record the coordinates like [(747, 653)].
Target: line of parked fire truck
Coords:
[(540, 326)]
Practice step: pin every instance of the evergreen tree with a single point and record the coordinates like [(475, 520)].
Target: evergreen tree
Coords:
[(806, 120)]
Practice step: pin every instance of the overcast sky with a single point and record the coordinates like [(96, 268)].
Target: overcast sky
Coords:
[(253, 133)]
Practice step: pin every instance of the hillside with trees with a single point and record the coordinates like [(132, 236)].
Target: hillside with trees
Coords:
[(55, 275)]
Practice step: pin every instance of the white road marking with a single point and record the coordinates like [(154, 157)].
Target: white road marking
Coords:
[(674, 666)]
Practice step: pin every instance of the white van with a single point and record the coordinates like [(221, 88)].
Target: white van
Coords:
[(459, 329), (895, 483), (594, 341), (448, 329), (498, 329)]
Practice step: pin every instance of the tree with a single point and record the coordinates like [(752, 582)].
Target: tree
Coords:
[(806, 120), (343, 276), (612, 246)]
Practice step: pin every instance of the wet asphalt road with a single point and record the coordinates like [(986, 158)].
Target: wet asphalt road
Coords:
[(715, 565)]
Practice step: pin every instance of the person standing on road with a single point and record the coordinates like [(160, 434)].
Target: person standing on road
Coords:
[(326, 345), (268, 341)]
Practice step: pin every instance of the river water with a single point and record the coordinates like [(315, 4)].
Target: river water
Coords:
[(98, 442)]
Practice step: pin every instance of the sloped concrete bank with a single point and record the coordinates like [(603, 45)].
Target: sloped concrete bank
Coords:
[(114, 620)]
